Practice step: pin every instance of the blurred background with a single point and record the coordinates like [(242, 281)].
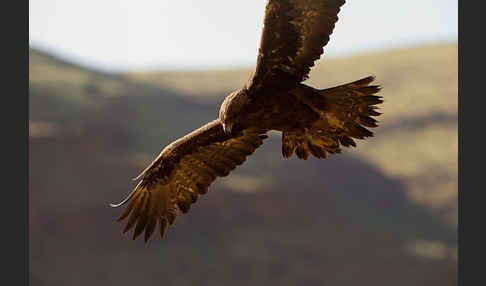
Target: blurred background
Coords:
[(112, 82)]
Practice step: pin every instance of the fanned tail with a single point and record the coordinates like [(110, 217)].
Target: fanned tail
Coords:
[(346, 111)]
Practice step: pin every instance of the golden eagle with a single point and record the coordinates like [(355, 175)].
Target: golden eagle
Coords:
[(312, 121)]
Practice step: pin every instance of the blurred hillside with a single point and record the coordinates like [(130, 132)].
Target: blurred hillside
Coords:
[(382, 214)]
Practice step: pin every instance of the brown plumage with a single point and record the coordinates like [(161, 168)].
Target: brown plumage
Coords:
[(313, 122)]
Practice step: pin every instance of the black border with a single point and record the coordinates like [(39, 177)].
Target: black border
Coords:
[(15, 136), (471, 106), (460, 224)]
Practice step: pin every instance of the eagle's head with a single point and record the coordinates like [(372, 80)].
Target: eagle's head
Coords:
[(232, 108)]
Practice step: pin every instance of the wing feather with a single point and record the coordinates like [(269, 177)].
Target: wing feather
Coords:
[(293, 37), (184, 170)]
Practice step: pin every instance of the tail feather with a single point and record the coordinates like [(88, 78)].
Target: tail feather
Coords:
[(288, 144), (346, 141), (302, 151), (308, 142), (345, 110)]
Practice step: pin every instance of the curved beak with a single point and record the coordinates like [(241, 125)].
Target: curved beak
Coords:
[(227, 128)]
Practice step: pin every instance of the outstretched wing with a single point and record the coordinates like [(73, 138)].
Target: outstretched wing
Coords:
[(183, 171), (293, 37)]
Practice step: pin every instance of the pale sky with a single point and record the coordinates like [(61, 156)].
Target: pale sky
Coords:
[(121, 35)]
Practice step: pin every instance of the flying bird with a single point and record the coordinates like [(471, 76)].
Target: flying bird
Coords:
[(312, 121)]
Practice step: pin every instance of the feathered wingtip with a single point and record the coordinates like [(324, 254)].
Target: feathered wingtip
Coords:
[(364, 81), (141, 213), (127, 198), (137, 210)]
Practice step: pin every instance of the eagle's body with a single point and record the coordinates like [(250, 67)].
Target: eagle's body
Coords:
[(272, 110), (313, 122)]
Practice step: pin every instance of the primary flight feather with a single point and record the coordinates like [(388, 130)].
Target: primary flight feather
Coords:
[(313, 122)]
